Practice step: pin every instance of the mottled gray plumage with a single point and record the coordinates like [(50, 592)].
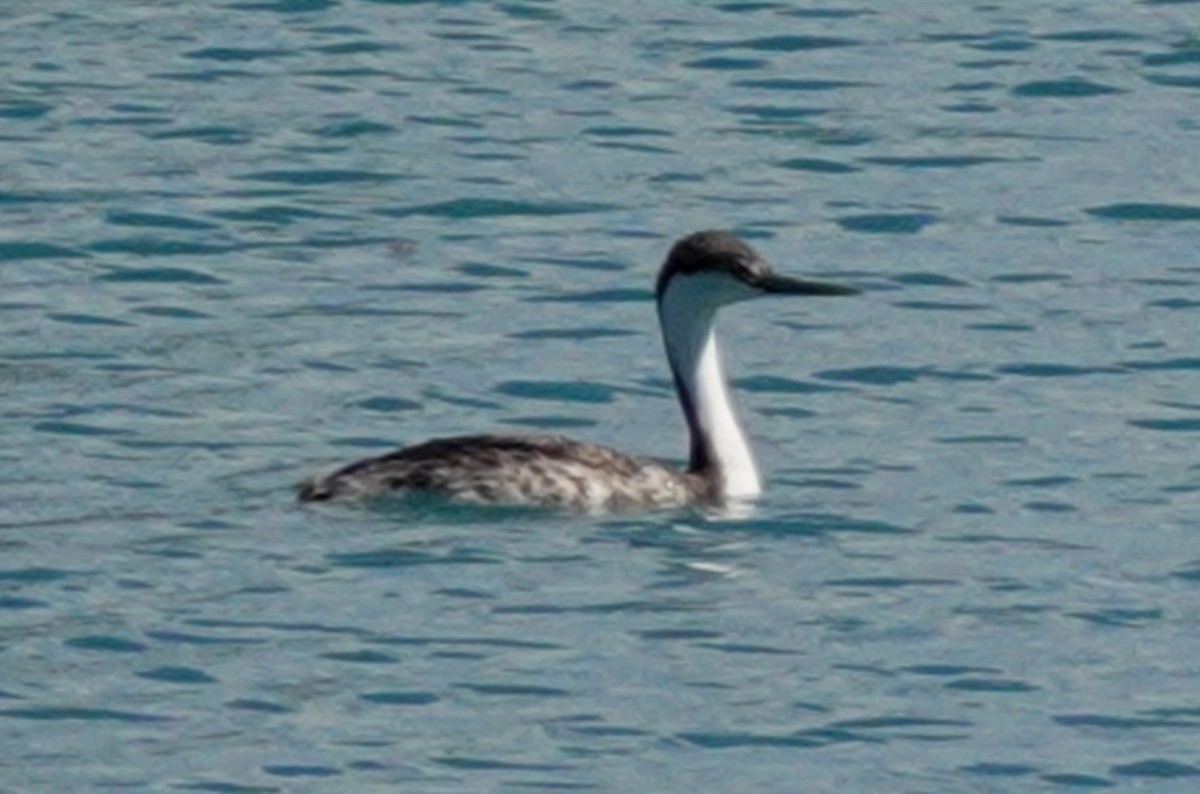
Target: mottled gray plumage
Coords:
[(547, 471), (703, 272)]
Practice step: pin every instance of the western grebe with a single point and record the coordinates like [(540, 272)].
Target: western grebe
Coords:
[(703, 272)]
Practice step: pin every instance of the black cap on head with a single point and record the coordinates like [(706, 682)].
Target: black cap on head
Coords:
[(721, 252)]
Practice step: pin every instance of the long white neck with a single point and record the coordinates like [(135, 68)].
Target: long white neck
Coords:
[(687, 311)]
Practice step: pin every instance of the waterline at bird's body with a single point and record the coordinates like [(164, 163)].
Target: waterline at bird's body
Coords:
[(703, 272)]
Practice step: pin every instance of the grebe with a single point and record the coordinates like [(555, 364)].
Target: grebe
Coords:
[(703, 272)]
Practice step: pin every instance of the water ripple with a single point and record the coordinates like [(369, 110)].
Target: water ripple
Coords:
[(247, 241), (1156, 768), (887, 223), (79, 715), (1071, 87), (465, 208)]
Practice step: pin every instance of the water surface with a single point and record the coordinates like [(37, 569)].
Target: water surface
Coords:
[(244, 241)]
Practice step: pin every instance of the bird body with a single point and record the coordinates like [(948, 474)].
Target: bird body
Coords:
[(703, 272), (535, 470)]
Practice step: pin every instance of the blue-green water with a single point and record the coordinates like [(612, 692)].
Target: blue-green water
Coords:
[(244, 241)]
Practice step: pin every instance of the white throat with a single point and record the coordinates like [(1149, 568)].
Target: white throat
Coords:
[(687, 312)]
